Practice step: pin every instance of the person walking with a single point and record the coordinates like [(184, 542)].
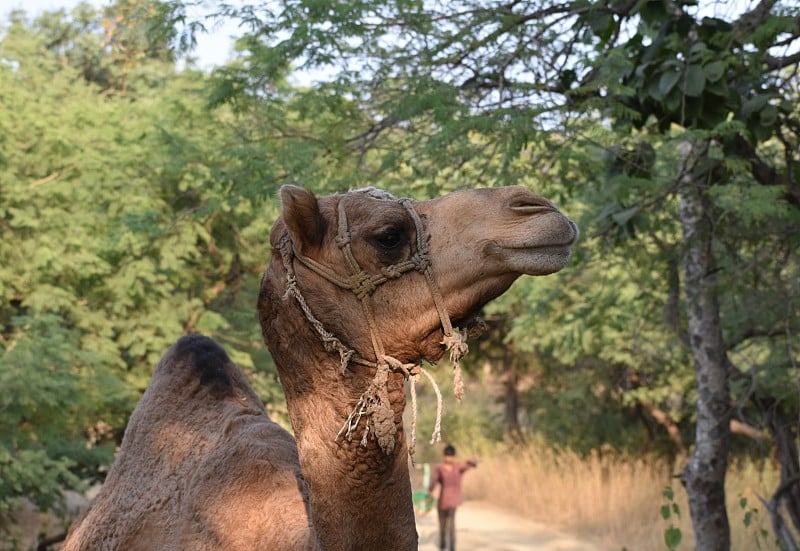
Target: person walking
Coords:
[(448, 477)]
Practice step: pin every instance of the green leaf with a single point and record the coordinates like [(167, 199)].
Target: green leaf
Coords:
[(623, 217), (602, 24), (241, 358), (668, 81), (211, 322), (714, 70), (718, 88), (694, 81), (768, 116), (672, 537), (665, 512), (754, 104)]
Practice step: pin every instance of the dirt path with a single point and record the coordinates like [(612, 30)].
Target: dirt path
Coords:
[(480, 526)]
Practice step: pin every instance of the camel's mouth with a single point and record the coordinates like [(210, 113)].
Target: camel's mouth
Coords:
[(541, 260), (552, 230), (563, 239), (543, 250), (539, 249), (540, 254)]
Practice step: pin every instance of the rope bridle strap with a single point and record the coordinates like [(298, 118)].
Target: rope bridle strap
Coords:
[(374, 402)]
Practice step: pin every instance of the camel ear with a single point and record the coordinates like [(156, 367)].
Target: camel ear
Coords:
[(300, 213)]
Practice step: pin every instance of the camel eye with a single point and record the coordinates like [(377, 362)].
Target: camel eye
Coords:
[(389, 239)]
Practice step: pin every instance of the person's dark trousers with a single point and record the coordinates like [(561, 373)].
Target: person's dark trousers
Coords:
[(447, 529)]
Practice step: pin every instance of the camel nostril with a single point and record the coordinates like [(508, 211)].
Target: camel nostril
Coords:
[(531, 204)]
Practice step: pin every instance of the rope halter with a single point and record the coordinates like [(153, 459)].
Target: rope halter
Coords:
[(374, 402)]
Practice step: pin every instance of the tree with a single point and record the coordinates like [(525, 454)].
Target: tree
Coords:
[(474, 85), (126, 223)]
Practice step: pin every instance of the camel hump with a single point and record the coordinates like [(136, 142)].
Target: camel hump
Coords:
[(204, 360)]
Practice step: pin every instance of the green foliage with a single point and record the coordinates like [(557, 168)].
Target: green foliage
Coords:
[(472, 94), (33, 473), (126, 222), (136, 200), (751, 522), (670, 509)]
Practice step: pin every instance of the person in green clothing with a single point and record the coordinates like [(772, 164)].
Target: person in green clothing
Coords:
[(448, 477)]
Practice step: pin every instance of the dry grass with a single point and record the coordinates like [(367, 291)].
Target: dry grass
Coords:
[(614, 502)]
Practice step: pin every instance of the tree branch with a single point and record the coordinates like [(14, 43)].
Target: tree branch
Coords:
[(737, 427), (663, 418), (748, 22), (782, 531), (775, 63), (754, 333), (766, 174)]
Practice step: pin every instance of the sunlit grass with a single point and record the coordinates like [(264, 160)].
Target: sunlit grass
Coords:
[(616, 502)]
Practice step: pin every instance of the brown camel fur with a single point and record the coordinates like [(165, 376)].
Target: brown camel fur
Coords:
[(201, 467)]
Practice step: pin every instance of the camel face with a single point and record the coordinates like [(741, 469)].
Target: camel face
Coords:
[(506, 230), (478, 242), (481, 240)]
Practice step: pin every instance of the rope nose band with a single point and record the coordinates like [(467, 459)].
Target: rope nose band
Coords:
[(363, 284), (374, 403)]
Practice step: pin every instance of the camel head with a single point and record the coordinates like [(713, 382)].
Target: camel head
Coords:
[(385, 283), (474, 244)]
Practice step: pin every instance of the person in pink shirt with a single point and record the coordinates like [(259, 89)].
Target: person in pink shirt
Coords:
[(448, 476)]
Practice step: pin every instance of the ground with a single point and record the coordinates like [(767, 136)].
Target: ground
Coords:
[(481, 526)]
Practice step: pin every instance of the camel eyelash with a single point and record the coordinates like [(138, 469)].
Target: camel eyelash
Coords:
[(390, 239)]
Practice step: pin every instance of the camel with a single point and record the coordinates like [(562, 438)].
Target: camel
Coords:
[(360, 289)]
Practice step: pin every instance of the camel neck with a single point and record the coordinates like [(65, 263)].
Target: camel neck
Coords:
[(360, 496)]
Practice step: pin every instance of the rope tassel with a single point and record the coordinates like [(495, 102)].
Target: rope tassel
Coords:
[(375, 404), (456, 343)]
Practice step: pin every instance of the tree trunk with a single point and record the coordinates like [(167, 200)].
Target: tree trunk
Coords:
[(784, 435), (704, 474), (511, 392)]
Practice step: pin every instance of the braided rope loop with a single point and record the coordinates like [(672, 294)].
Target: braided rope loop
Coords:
[(421, 262), (392, 272), (362, 285), (342, 240)]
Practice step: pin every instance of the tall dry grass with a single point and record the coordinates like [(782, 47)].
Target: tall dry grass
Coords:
[(616, 502)]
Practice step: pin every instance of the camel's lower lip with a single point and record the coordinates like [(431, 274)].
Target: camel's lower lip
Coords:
[(522, 250), (540, 248), (538, 260)]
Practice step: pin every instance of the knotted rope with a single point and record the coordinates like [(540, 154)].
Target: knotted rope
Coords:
[(374, 403)]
